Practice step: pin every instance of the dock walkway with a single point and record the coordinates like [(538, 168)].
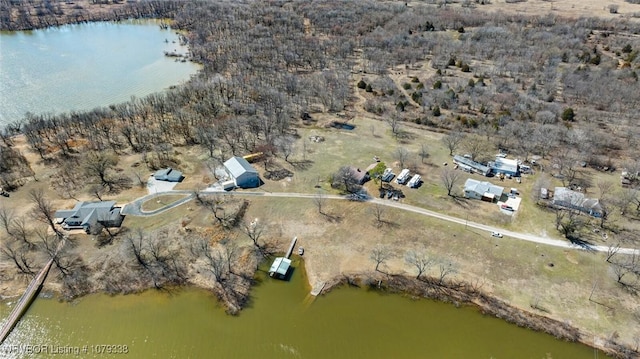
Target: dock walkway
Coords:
[(23, 304)]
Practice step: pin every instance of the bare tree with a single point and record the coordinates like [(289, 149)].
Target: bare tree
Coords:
[(401, 155), (446, 269), (380, 254), (6, 217), (478, 147), (452, 140), (394, 122), (285, 145), (378, 210), (98, 165), (319, 199), (20, 231), (345, 179), (606, 200), (450, 179), (568, 222), (253, 230), (419, 260), (19, 255), (230, 252), (216, 264), (43, 211), (135, 244), (424, 152), (612, 250)]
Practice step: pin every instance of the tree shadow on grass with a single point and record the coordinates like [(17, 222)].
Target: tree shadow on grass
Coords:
[(460, 201), (302, 165), (584, 244), (331, 218)]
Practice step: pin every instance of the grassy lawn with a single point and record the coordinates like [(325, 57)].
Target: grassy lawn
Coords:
[(160, 201)]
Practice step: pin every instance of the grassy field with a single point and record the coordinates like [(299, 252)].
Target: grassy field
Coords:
[(557, 282), (160, 201)]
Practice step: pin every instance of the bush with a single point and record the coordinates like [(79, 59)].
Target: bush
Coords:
[(465, 68), (568, 115), (627, 49), (437, 85), (420, 86), (362, 84), (415, 79), (436, 111), (406, 86), (471, 83), (368, 88)]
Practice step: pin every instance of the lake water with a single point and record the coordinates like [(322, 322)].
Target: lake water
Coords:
[(283, 321), (80, 67)]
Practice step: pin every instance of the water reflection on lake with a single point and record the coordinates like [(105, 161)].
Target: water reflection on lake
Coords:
[(80, 67)]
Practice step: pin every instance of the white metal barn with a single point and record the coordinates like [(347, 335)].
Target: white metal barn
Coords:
[(241, 171)]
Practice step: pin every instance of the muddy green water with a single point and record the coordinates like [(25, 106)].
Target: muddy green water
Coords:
[(80, 67), (283, 321)]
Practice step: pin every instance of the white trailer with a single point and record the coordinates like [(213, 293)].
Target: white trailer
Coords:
[(403, 176), (415, 181)]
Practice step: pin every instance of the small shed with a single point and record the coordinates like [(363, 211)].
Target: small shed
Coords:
[(169, 175), (241, 171), (280, 267)]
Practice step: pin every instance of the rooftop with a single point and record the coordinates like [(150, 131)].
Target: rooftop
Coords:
[(238, 166), (280, 266)]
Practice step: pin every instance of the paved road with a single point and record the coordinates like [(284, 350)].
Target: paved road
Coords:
[(133, 208)]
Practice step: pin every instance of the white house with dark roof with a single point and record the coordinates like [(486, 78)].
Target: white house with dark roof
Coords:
[(87, 215), (485, 191), (241, 171)]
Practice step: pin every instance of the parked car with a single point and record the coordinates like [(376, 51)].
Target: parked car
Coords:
[(496, 234)]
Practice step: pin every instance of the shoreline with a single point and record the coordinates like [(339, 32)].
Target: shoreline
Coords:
[(457, 293), (463, 293)]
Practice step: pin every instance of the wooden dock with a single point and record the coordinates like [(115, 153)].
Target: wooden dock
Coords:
[(25, 300), (23, 304), (293, 244)]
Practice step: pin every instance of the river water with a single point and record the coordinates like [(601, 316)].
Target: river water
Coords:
[(282, 321), (80, 67)]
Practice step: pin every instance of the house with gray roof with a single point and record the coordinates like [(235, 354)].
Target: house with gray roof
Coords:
[(168, 174), (241, 171), (567, 198), (87, 215), (485, 191)]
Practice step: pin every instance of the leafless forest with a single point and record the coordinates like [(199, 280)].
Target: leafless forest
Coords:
[(533, 84)]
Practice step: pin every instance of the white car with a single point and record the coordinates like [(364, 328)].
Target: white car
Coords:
[(496, 234)]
